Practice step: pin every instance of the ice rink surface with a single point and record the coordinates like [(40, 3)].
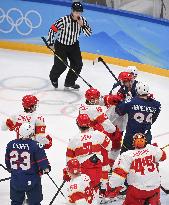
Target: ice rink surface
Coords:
[(24, 73)]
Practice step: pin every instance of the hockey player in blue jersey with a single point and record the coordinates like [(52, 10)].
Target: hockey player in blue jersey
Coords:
[(134, 71), (142, 112), (26, 160)]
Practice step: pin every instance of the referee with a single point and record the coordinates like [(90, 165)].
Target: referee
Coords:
[(68, 29)]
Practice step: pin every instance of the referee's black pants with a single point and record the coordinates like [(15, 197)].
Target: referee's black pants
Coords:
[(73, 53)]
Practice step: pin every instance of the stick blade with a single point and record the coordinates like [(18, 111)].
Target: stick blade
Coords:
[(165, 190), (100, 59)]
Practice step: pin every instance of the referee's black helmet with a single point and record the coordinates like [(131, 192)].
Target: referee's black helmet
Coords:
[(77, 6)]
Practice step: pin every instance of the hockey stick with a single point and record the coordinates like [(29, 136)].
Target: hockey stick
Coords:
[(1, 165), (5, 179), (165, 146), (57, 192), (55, 185), (164, 190), (100, 59), (44, 40)]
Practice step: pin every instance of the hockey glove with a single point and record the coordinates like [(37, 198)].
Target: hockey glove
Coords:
[(116, 139), (10, 124), (150, 96), (66, 176), (110, 100), (44, 171), (47, 146), (155, 144)]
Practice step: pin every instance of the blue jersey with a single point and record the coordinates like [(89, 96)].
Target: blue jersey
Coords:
[(133, 88), (25, 158), (142, 113), (125, 90)]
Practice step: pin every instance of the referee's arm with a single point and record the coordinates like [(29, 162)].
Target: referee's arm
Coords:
[(86, 28), (58, 25)]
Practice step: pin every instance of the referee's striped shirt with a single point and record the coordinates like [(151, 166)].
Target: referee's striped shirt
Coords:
[(68, 30)]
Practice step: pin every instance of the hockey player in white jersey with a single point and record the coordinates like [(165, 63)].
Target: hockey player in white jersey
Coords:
[(96, 113), (140, 167), (29, 103), (112, 100), (79, 189), (87, 148), (99, 119), (125, 92)]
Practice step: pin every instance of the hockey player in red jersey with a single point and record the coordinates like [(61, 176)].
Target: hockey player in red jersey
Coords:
[(29, 103), (140, 168), (79, 189), (87, 148)]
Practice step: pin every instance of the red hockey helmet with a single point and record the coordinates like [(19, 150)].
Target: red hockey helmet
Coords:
[(29, 101), (125, 76), (92, 93), (83, 120), (139, 140), (73, 166)]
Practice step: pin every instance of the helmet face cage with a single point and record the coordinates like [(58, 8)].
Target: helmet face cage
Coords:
[(139, 140)]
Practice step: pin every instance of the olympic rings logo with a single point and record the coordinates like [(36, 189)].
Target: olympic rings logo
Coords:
[(16, 19)]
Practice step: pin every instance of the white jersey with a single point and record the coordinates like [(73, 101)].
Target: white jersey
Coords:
[(117, 120), (32, 118), (97, 114), (86, 144), (139, 166), (79, 190), (36, 120)]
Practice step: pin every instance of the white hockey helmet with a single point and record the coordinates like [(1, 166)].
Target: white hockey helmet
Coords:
[(133, 69), (25, 130), (142, 88)]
